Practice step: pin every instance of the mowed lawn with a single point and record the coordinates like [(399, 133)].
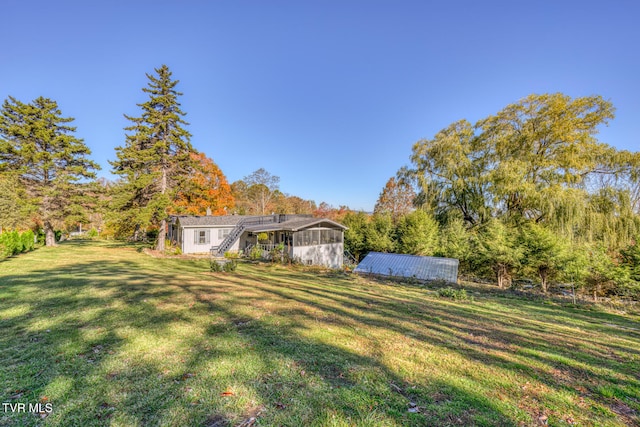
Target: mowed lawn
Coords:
[(109, 335)]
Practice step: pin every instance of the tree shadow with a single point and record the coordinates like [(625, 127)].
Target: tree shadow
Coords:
[(133, 340)]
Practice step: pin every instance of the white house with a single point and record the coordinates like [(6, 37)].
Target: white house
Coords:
[(314, 241)]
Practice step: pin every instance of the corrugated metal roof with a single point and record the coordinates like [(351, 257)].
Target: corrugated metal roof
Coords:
[(400, 265)]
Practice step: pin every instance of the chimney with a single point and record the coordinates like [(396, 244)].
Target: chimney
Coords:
[(208, 211)]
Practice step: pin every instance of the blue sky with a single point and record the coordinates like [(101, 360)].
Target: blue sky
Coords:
[(328, 95)]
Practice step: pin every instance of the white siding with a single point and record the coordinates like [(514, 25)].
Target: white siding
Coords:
[(329, 255), (190, 245)]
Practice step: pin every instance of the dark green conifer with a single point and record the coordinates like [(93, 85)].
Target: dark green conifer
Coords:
[(38, 148), (154, 160)]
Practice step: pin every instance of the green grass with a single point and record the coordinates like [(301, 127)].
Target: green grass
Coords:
[(111, 336)]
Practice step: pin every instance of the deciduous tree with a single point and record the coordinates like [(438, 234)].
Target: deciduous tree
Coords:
[(396, 199), (207, 188), (261, 186)]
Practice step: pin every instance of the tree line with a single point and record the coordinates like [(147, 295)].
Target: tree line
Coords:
[(48, 181), (528, 194)]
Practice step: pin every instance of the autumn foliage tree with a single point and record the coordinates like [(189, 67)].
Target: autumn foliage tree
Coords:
[(396, 199), (207, 188)]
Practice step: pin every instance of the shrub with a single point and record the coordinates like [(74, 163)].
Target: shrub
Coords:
[(10, 243), (93, 233), (215, 266), (256, 253), (218, 266), (27, 239), (231, 255), (230, 266), (454, 294)]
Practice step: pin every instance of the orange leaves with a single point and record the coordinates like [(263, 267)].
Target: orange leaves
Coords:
[(207, 188)]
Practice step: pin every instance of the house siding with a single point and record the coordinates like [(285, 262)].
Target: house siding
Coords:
[(330, 255), (189, 245)]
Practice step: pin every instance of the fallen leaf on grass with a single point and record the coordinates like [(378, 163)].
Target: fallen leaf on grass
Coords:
[(281, 405), (227, 393), (188, 375)]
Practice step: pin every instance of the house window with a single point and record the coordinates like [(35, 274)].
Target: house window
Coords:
[(201, 237), (223, 233)]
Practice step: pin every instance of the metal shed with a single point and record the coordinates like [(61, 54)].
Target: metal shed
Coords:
[(410, 266)]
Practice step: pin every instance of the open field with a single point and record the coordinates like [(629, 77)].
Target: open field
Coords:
[(111, 336)]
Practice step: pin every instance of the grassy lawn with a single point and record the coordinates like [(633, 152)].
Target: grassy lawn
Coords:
[(111, 336)]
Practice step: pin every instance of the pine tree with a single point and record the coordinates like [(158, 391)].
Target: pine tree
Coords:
[(39, 148), (154, 160)]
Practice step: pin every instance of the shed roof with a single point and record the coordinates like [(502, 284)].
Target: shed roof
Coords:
[(400, 265)]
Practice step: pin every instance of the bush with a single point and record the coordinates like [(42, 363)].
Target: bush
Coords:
[(231, 255), (10, 243), (256, 253), (215, 266), (93, 233), (230, 266), (27, 239), (454, 294), (218, 266)]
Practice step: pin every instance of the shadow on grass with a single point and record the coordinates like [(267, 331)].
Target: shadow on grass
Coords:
[(119, 337)]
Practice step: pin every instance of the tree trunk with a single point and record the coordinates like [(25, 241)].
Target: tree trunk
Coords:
[(162, 235), (502, 275), (50, 235), (544, 275), (162, 232)]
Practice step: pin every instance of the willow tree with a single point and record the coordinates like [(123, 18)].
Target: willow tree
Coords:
[(155, 159), (536, 160), (40, 152), (542, 145), (452, 171)]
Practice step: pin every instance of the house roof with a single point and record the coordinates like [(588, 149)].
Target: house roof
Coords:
[(296, 224), (210, 221), (400, 265), (288, 222)]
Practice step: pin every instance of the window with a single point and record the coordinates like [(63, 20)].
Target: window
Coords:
[(223, 233), (201, 237)]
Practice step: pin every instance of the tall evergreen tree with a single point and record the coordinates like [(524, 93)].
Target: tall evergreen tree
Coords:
[(155, 158), (39, 149)]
